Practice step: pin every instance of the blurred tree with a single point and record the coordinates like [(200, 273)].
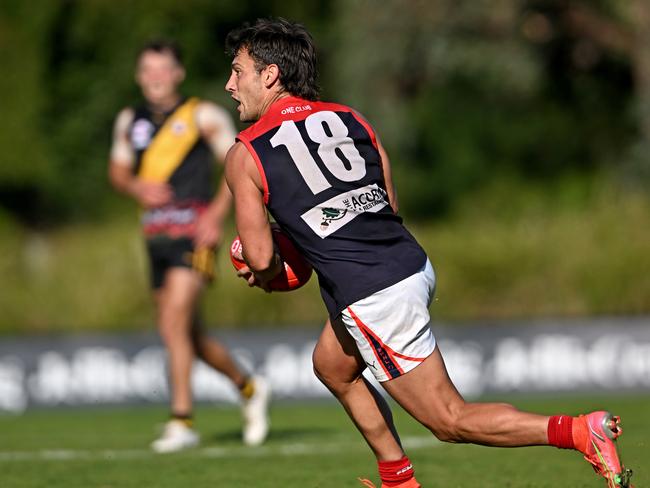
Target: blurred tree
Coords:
[(68, 68), (463, 91), (25, 155), (622, 28)]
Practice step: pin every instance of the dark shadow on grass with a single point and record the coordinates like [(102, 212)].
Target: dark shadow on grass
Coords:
[(291, 434)]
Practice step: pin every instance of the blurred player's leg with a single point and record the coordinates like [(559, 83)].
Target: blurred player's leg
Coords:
[(338, 365), (176, 308), (215, 354), (255, 402), (255, 391), (176, 302)]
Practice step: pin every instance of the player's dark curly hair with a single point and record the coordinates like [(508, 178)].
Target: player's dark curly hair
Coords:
[(284, 43), (163, 46)]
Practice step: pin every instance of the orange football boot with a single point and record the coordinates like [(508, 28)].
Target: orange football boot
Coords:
[(599, 447), (412, 483)]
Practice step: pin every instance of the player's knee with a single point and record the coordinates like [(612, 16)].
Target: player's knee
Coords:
[(446, 433), (198, 341), (320, 369), (446, 426), (327, 374), (173, 321), (317, 372)]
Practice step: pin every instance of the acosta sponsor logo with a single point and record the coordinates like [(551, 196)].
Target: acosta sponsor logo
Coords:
[(296, 109), (367, 200), (329, 216)]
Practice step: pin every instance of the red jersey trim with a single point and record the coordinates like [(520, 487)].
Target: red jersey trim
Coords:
[(296, 109), (367, 126), (258, 163)]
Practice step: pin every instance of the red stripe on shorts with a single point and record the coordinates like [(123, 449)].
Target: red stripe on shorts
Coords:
[(385, 346), (366, 331)]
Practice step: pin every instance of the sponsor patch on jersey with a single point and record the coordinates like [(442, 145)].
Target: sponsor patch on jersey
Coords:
[(330, 216), (141, 133)]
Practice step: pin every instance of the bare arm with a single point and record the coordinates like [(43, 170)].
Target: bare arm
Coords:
[(385, 166), (120, 169), (250, 216), (217, 129), (388, 177), (122, 157)]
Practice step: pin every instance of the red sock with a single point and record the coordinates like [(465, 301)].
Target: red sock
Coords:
[(393, 473), (560, 431), (580, 434)]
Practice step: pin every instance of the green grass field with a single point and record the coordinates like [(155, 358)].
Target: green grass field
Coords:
[(311, 445)]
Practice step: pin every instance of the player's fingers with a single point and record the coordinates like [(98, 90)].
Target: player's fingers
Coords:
[(156, 200)]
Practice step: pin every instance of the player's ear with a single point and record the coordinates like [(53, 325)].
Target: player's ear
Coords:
[(180, 74), (271, 75)]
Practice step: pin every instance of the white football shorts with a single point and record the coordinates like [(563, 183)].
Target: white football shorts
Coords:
[(392, 327)]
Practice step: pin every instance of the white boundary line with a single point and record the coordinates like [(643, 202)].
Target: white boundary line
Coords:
[(285, 450)]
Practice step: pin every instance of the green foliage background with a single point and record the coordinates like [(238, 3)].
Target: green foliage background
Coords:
[(514, 139)]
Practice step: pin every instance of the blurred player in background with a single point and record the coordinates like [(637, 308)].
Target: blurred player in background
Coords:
[(322, 173), (163, 156)]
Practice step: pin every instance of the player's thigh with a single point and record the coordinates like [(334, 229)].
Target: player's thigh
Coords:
[(181, 290), (427, 392), (336, 357)]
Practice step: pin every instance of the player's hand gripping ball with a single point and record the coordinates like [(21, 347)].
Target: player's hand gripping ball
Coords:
[(296, 270)]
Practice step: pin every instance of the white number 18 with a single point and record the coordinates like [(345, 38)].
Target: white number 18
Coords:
[(289, 136)]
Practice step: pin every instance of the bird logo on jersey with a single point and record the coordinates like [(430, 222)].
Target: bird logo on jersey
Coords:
[(330, 214)]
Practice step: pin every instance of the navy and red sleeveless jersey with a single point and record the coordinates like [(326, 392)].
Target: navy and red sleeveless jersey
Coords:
[(324, 185)]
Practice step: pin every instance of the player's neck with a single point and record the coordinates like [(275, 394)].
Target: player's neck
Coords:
[(164, 104), (272, 99)]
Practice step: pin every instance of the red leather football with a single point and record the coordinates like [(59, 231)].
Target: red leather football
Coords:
[(296, 271)]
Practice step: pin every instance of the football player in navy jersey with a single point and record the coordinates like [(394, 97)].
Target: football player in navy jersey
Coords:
[(322, 173), (163, 156)]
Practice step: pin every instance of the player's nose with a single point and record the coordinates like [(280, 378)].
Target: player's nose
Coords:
[(230, 85)]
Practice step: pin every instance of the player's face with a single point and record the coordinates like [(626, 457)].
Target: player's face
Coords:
[(158, 75), (246, 87)]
